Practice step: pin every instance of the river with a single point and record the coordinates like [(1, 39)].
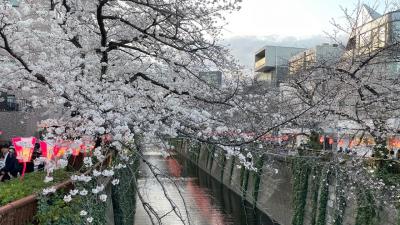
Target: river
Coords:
[(207, 201)]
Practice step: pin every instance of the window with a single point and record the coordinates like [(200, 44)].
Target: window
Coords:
[(351, 44), (382, 36), (10, 99), (379, 37), (11, 102), (395, 31), (365, 39)]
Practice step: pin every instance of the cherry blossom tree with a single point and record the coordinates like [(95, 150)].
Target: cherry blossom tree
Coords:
[(358, 91)]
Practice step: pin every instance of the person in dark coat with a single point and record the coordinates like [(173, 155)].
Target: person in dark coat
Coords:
[(9, 170), (30, 166)]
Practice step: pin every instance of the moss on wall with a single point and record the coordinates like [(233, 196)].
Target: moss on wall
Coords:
[(366, 214), (301, 171), (315, 184), (257, 177), (323, 197), (231, 172), (223, 165)]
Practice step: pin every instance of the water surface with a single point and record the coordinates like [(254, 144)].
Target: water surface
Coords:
[(206, 201)]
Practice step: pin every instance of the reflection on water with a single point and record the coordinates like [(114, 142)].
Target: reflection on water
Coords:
[(207, 201)]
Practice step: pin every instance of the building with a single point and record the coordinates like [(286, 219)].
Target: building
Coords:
[(16, 117), (271, 63), (13, 3), (374, 31), (9, 102), (213, 78), (320, 54)]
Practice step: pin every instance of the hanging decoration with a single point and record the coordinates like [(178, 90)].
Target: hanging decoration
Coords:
[(75, 148), (321, 139), (62, 147), (48, 149), (330, 141), (24, 149)]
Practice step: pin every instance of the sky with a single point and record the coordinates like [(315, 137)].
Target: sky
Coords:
[(300, 18), (296, 23)]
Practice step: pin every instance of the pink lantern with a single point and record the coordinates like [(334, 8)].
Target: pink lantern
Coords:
[(62, 148), (321, 139), (76, 148), (341, 143), (48, 149), (24, 149), (330, 141), (87, 148)]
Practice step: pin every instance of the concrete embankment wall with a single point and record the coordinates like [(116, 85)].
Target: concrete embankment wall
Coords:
[(289, 192)]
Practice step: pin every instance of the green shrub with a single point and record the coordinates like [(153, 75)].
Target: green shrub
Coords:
[(387, 173), (124, 195), (366, 214), (257, 177), (315, 185), (323, 199), (301, 170), (313, 141), (31, 183), (53, 210)]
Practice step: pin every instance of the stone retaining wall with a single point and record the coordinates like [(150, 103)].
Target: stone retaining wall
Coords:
[(275, 193)]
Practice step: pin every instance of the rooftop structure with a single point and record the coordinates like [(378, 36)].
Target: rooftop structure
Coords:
[(374, 31), (323, 54), (271, 63), (213, 78)]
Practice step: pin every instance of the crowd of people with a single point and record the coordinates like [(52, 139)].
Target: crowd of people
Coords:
[(393, 154), (9, 165)]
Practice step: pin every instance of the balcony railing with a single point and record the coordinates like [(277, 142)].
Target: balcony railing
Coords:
[(260, 63)]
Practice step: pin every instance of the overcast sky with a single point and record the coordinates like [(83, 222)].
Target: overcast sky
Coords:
[(298, 23), (300, 18)]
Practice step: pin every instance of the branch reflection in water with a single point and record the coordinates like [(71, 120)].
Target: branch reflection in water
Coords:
[(207, 201)]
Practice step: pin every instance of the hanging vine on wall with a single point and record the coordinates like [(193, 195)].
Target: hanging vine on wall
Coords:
[(366, 214), (232, 168), (316, 178), (194, 151), (340, 197), (257, 177), (323, 197), (223, 164), (301, 170), (339, 213), (124, 195)]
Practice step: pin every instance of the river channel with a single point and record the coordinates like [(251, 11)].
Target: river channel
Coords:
[(207, 201)]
